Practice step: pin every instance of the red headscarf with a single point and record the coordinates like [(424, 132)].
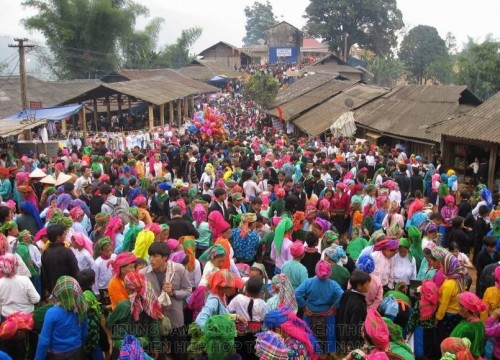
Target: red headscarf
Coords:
[(123, 259), (429, 299), (143, 298), (217, 224)]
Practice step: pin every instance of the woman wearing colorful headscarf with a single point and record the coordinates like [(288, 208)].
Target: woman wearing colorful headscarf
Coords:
[(454, 348), (448, 313), (471, 327), (77, 216), (320, 297), (221, 284), (486, 199), (281, 246), (397, 342), (422, 322), (120, 266), (296, 333), (29, 219), (293, 269), (64, 327), (82, 248), (337, 258), (404, 264), (101, 222), (200, 222), (376, 334), (245, 239), (284, 295), (383, 252), (137, 315)]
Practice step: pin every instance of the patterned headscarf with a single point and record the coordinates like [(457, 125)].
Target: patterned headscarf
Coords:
[(246, 219), (335, 253), (377, 330), (143, 297), (212, 252), (439, 253), (298, 219), (329, 236), (456, 348), (288, 322), (311, 212), (366, 263), (139, 200), (286, 293), (76, 212), (8, 264), (471, 302), (102, 219), (284, 226), (83, 205), (223, 278), (63, 201), (271, 346), (7, 226), (323, 270), (453, 269), (189, 246), (387, 244), (69, 296), (121, 260), (429, 299)]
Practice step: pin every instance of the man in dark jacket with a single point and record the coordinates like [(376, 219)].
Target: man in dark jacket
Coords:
[(57, 260), (404, 182), (180, 227)]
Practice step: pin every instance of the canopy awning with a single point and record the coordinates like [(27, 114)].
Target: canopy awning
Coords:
[(12, 127), (57, 113), (344, 125)]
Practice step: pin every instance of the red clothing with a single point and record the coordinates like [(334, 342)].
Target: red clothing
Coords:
[(339, 202)]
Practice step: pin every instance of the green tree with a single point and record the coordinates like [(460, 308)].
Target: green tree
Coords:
[(386, 71), (83, 35), (139, 49), (262, 89), (421, 47), (260, 18), (177, 55), (478, 67), (370, 24), (440, 71)]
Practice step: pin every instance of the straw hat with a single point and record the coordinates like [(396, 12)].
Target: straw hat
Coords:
[(62, 178), (37, 173), (49, 179)]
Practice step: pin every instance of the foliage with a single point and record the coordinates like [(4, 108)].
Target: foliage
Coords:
[(386, 71), (440, 71), (139, 47), (478, 67), (260, 18), (262, 89), (177, 55), (421, 47), (83, 35), (370, 24)]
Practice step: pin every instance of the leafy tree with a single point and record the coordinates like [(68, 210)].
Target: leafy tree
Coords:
[(83, 35), (421, 47), (262, 89), (260, 18), (370, 24), (478, 66), (177, 55), (386, 71), (440, 71), (139, 49)]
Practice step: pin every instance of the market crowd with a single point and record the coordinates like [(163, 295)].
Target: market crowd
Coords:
[(243, 243)]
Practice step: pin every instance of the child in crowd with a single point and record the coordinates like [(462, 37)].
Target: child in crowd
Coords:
[(311, 254)]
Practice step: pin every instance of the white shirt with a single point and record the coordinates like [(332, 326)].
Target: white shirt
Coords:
[(239, 306), (250, 188), (84, 259), (195, 275), (102, 273), (404, 270), (80, 184), (17, 294), (383, 268)]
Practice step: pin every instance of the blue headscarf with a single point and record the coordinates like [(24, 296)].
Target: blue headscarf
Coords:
[(29, 209), (366, 263), (486, 195), (164, 186), (451, 180)]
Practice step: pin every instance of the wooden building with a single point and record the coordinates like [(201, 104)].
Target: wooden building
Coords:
[(227, 54), (284, 42)]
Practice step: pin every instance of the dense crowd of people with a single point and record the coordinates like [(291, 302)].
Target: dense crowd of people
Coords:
[(245, 244)]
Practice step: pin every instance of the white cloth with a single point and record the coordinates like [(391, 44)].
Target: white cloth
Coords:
[(239, 306), (195, 275), (404, 270), (17, 294), (84, 259), (383, 268), (102, 273)]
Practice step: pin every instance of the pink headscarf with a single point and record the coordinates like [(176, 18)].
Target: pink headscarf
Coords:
[(449, 198), (377, 330), (22, 177), (173, 244), (114, 225), (155, 228), (429, 299), (297, 249), (139, 200), (497, 276), (11, 204), (471, 302), (84, 242), (323, 270), (276, 220), (182, 205), (322, 223), (217, 224), (76, 212), (199, 214)]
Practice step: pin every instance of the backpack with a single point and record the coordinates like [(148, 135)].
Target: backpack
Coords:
[(117, 209)]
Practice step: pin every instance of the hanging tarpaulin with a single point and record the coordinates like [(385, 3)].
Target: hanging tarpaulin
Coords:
[(344, 125)]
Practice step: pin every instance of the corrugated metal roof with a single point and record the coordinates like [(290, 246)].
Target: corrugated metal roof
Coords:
[(157, 90), (332, 68), (410, 110), (320, 118), (302, 86), (204, 70), (481, 123), (306, 101), (169, 74), (50, 93)]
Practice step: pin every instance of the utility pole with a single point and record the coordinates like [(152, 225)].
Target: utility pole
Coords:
[(345, 46), (21, 44)]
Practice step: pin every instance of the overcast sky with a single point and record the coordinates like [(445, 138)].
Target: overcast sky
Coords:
[(225, 20)]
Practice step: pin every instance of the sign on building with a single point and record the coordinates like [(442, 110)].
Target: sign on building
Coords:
[(283, 52)]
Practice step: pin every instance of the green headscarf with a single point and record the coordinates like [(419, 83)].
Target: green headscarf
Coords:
[(101, 244), (220, 332), (22, 249), (496, 227), (396, 334), (415, 237), (379, 170), (9, 225), (212, 252), (68, 294), (284, 226), (130, 236)]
